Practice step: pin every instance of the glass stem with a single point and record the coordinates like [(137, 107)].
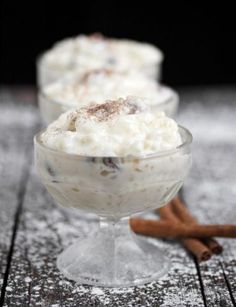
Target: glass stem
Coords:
[(114, 227), (113, 231)]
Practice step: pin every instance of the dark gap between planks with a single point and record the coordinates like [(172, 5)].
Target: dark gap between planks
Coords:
[(181, 193), (228, 284)]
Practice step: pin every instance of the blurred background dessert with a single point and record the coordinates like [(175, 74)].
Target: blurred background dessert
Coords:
[(85, 52), (96, 86)]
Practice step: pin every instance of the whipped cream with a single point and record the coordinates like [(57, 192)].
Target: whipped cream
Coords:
[(100, 85), (83, 53), (116, 128)]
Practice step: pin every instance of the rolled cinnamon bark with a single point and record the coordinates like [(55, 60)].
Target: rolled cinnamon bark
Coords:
[(185, 216), (199, 250), (171, 229), (166, 213), (194, 246), (182, 212), (213, 245)]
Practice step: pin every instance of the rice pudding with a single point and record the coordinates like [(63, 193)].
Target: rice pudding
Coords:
[(113, 159)]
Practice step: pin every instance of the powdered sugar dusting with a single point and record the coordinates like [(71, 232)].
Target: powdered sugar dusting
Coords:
[(46, 229)]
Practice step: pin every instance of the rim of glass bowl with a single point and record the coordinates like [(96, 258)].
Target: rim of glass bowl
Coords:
[(173, 98), (187, 141)]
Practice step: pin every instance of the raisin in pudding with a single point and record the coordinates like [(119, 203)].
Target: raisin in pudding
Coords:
[(83, 53), (114, 158), (100, 85)]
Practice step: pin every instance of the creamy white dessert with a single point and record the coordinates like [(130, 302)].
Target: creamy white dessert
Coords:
[(116, 128), (86, 52), (113, 159), (99, 85)]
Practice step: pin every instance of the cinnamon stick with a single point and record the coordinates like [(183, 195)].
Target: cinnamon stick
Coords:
[(195, 246), (185, 216), (171, 229), (182, 212), (213, 245)]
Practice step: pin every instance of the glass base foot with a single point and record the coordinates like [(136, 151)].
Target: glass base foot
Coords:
[(102, 261)]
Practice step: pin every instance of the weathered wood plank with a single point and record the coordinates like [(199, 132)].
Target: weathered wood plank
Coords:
[(211, 190), (213, 201), (16, 122)]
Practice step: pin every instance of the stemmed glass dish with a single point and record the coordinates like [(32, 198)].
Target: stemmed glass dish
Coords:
[(113, 188)]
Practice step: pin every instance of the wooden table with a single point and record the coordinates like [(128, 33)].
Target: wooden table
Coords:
[(34, 230)]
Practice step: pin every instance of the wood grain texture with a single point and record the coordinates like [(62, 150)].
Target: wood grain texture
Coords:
[(15, 133), (212, 203), (210, 191), (44, 229)]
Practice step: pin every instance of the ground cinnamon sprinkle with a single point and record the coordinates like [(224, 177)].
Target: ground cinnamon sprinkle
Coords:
[(86, 76), (105, 111), (109, 109)]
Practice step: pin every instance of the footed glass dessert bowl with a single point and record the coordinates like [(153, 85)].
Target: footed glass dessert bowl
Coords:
[(113, 188)]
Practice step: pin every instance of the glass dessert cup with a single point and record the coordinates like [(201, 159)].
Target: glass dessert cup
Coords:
[(51, 109), (113, 188)]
